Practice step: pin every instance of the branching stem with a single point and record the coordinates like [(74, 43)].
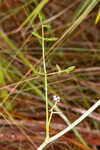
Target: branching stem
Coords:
[(71, 126)]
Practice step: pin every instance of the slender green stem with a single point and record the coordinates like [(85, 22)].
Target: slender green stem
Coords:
[(46, 84), (51, 113)]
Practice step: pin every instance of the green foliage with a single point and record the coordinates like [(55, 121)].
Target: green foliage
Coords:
[(46, 39), (34, 13), (68, 70)]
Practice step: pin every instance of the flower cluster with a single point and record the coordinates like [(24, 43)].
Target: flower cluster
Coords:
[(56, 98)]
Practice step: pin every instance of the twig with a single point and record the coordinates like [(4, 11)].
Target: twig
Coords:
[(71, 126)]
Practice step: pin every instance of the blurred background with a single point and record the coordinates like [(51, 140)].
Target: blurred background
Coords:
[(76, 26)]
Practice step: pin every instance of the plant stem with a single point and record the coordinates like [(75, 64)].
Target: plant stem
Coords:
[(50, 117), (43, 145), (71, 126), (46, 84)]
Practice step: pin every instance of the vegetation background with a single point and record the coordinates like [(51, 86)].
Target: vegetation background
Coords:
[(75, 27)]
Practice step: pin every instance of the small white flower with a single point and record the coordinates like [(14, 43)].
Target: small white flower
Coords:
[(56, 98)]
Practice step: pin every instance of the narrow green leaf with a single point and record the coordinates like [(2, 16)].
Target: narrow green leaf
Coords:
[(58, 68), (69, 69), (46, 39), (51, 39)]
